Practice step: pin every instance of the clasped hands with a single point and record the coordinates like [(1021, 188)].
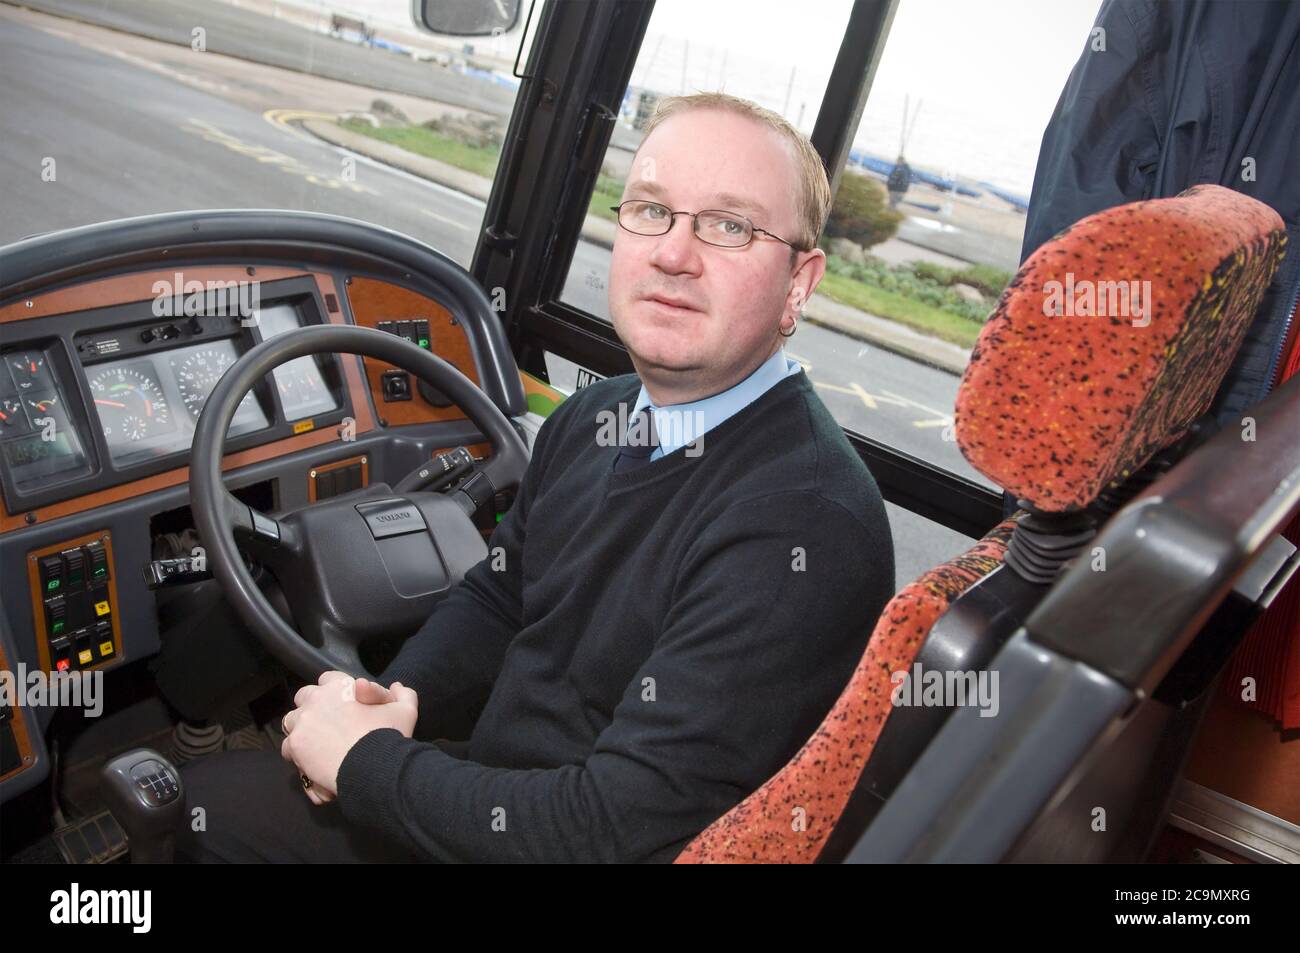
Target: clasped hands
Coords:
[(332, 716)]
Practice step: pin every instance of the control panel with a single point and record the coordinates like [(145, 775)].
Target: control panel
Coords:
[(396, 384), (74, 603)]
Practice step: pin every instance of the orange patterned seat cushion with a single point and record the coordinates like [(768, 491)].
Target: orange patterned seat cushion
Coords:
[(789, 818), (1111, 340)]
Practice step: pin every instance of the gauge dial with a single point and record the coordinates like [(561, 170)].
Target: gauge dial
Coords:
[(44, 410), (28, 369), (131, 404), (13, 420), (42, 405), (302, 389), (198, 375)]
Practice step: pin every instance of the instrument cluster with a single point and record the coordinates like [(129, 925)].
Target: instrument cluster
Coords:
[(105, 396), (149, 405)]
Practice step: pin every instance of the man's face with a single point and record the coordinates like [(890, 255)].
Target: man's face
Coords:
[(736, 298)]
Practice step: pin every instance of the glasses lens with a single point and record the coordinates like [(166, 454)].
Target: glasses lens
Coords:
[(644, 218), (723, 228)]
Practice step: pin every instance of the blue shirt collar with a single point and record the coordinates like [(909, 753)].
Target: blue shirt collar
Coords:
[(680, 424)]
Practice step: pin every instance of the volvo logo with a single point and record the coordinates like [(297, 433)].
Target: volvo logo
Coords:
[(385, 520)]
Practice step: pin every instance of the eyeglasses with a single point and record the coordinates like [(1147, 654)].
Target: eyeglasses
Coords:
[(713, 226)]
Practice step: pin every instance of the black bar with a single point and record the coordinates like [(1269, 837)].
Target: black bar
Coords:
[(850, 83), (579, 69)]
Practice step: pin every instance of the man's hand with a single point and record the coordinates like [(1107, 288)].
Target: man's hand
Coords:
[(334, 715)]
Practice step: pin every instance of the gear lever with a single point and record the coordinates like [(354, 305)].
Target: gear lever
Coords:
[(144, 792)]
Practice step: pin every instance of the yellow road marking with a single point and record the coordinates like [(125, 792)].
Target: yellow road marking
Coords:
[(912, 403), (866, 398), (286, 163), (282, 117), (873, 402)]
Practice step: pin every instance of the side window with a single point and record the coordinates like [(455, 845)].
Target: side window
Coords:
[(929, 216), (779, 61), (928, 220)]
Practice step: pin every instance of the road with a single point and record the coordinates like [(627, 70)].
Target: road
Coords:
[(230, 29), (134, 126)]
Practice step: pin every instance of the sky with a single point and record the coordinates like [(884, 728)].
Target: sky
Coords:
[(987, 72)]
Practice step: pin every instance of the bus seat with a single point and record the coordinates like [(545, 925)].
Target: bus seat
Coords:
[(1104, 686), (1058, 405)]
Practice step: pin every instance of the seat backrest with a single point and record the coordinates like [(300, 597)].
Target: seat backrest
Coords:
[(1063, 398), (789, 818)]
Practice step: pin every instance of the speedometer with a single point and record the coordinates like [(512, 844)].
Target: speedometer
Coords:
[(198, 375), (131, 404)]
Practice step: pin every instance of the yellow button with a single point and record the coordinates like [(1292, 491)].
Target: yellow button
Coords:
[(105, 649), (84, 656), (102, 608)]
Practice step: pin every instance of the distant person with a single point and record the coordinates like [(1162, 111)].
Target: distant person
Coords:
[(899, 181), (675, 612)]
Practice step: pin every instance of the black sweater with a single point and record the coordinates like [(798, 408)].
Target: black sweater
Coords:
[(658, 643)]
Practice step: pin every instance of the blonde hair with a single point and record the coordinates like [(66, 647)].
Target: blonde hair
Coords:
[(813, 203)]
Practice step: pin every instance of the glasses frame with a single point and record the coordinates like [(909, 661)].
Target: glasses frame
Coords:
[(695, 224)]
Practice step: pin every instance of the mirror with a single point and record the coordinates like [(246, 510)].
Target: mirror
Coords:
[(466, 17)]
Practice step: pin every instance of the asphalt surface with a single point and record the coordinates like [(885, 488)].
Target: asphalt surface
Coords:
[(263, 39), (132, 134)]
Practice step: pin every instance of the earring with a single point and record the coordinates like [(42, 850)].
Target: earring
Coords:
[(793, 328)]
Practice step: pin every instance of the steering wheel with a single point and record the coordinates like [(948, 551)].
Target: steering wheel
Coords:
[(369, 563)]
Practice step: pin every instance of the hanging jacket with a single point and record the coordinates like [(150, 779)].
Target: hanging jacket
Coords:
[(1163, 97), (1170, 95)]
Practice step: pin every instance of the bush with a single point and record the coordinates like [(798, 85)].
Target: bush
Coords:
[(989, 280), (920, 281), (861, 212)]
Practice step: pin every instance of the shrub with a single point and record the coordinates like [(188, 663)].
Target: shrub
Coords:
[(919, 281), (989, 280), (861, 212)]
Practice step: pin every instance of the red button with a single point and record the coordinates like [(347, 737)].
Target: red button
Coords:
[(62, 664)]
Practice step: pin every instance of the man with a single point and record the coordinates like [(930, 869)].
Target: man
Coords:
[(692, 566), (899, 181)]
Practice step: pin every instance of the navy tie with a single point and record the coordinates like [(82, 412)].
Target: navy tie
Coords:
[(639, 442)]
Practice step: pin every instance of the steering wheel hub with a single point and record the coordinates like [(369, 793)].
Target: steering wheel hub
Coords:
[(368, 564)]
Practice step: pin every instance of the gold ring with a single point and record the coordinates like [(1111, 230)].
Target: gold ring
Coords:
[(306, 781)]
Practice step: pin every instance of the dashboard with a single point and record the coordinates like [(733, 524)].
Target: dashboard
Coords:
[(102, 396), (112, 339)]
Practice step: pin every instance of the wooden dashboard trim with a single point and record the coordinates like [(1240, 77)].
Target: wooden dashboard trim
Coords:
[(125, 289), (137, 286), (18, 722), (373, 301)]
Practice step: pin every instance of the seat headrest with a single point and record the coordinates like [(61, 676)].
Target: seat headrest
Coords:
[(1111, 339)]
